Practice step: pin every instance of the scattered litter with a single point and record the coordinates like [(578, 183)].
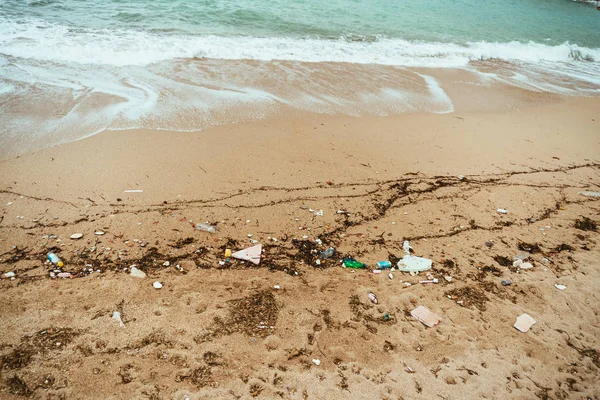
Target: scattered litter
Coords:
[(341, 212), (76, 236), (425, 316), (251, 254), (526, 265), (166, 264), (117, 315), (133, 191), (227, 253), (10, 274), (53, 258), (376, 271), (318, 262), (316, 361), (448, 278), (319, 213), (221, 262), (157, 285), (410, 263), (206, 228), (590, 194), (384, 265), (9, 203), (64, 275), (99, 233), (325, 254), (434, 280), (461, 177), (502, 211), (373, 298), (517, 263), (390, 276), (276, 287), (352, 263), (524, 322), (138, 273), (506, 282), (560, 287)]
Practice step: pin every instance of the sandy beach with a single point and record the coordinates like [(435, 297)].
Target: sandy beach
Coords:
[(230, 329)]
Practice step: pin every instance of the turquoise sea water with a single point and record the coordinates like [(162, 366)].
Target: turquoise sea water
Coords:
[(459, 21), (89, 65)]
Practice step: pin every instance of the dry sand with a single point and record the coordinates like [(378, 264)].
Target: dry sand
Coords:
[(223, 331)]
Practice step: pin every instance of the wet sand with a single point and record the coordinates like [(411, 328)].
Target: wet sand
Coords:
[(224, 331)]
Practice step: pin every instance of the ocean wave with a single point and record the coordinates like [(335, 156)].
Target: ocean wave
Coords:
[(36, 39)]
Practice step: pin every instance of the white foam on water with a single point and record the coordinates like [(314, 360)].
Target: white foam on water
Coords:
[(47, 41)]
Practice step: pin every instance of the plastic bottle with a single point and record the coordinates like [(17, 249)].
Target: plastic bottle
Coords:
[(206, 228), (352, 263), (384, 265), (55, 260), (325, 254)]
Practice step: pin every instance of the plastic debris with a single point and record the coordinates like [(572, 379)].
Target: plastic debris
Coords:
[(55, 260), (76, 236), (10, 274), (410, 263), (227, 253), (384, 265), (319, 213), (64, 275), (526, 265), (376, 271), (99, 233), (206, 228), (373, 298), (434, 280), (425, 316), (276, 287), (448, 278), (506, 282), (316, 361), (560, 287), (325, 254), (352, 263), (590, 194), (166, 264), (390, 276), (138, 273), (524, 322), (502, 211), (133, 191), (117, 315), (157, 285), (251, 254)]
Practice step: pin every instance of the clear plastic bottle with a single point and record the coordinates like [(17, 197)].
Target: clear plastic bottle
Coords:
[(54, 259), (325, 254)]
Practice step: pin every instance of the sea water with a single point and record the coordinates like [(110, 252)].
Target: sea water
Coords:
[(70, 68)]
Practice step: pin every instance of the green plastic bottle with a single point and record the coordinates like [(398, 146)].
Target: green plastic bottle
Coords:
[(352, 263)]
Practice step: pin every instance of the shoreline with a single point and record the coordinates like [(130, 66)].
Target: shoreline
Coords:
[(195, 95), (222, 329)]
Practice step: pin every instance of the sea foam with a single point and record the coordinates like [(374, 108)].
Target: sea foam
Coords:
[(42, 40)]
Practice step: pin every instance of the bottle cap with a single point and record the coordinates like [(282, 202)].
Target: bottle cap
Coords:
[(60, 264)]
